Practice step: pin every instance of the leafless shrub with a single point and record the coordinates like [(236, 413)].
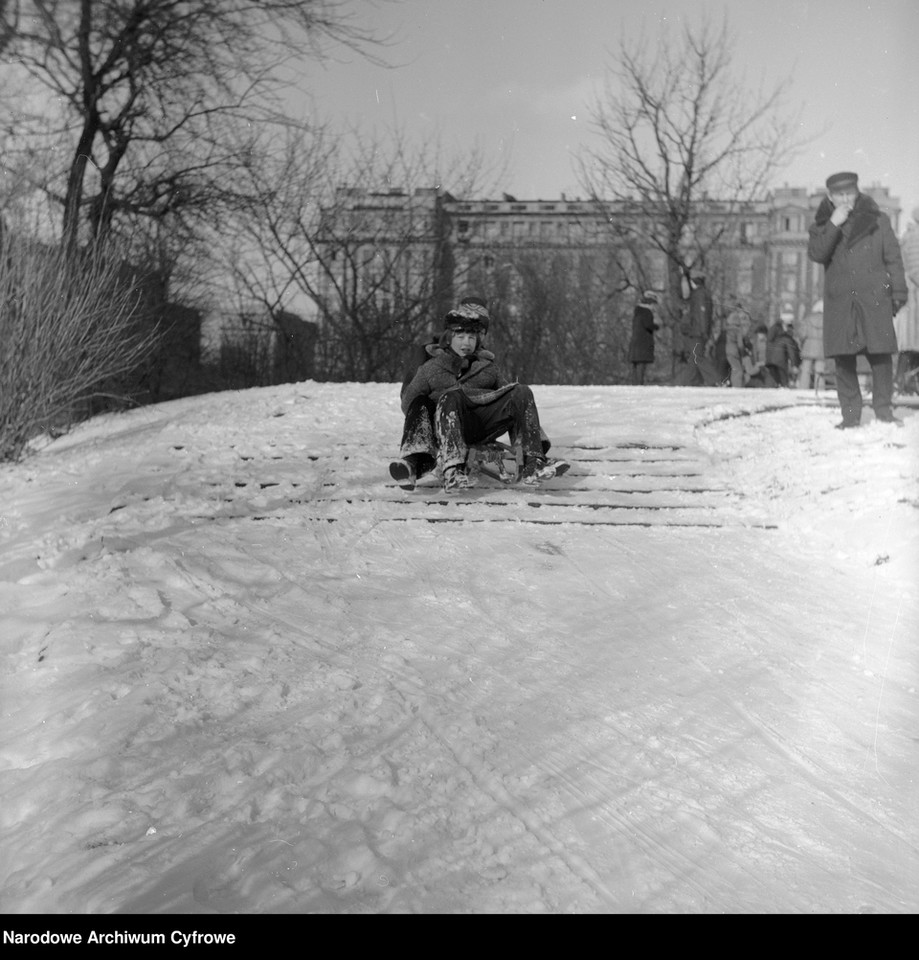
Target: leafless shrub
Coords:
[(68, 330)]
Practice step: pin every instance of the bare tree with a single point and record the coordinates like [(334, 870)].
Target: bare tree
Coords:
[(683, 143), (557, 311), (353, 230), (160, 100)]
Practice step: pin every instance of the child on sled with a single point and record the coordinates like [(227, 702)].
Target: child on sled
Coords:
[(459, 398)]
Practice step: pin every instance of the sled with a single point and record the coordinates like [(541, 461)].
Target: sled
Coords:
[(500, 461), (496, 459)]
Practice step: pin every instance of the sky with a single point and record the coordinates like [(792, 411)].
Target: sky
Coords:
[(243, 674), (519, 79)]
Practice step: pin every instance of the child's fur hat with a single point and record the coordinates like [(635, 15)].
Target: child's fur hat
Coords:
[(470, 314)]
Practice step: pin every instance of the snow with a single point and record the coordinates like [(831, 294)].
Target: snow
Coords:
[(243, 672)]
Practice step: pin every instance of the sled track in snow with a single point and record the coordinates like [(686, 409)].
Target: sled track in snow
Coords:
[(629, 484)]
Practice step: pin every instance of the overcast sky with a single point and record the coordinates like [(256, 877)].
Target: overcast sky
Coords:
[(517, 77)]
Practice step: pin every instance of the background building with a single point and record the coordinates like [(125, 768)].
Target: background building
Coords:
[(561, 276), (761, 256)]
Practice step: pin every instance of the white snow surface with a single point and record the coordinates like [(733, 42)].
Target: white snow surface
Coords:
[(243, 672)]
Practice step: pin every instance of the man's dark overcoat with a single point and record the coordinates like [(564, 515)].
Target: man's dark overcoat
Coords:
[(641, 347), (863, 276)]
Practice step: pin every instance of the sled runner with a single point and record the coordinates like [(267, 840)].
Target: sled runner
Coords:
[(493, 460)]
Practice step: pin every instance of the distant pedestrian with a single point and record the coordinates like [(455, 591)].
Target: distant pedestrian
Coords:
[(695, 333), (756, 370), (864, 286), (812, 371), (782, 354), (641, 346), (737, 326), (906, 322)]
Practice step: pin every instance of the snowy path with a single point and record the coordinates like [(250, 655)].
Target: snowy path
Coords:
[(243, 672)]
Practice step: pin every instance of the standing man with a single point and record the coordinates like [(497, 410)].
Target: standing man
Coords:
[(864, 286), (695, 333)]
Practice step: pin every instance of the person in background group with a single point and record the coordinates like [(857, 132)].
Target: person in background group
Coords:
[(641, 347), (782, 355), (756, 370), (736, 339), (695, 333), (863, 288), (716, 371), (906, 322), (813, 366)]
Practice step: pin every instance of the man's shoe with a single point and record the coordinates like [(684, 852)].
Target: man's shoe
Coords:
[(537, 469), (403, 473), (847, 425), (456, 480)]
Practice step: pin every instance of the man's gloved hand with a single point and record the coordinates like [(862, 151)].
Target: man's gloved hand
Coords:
[(898, 306)]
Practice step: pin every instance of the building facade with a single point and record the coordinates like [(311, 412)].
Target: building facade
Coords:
[(561, 276), (760, 256)]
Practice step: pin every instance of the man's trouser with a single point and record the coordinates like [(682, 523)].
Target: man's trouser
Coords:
[(850, 394)]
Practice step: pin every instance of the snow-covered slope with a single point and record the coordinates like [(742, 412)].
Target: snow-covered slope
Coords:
[(244, 672)]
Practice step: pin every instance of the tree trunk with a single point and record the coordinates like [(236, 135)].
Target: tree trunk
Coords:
[(73, 199)]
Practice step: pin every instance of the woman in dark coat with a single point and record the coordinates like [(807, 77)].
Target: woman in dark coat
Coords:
[(641, 347), (864, 286)]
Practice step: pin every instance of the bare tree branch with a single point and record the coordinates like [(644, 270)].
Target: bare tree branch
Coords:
[(676, 129), (134, 75), (352, 227)]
